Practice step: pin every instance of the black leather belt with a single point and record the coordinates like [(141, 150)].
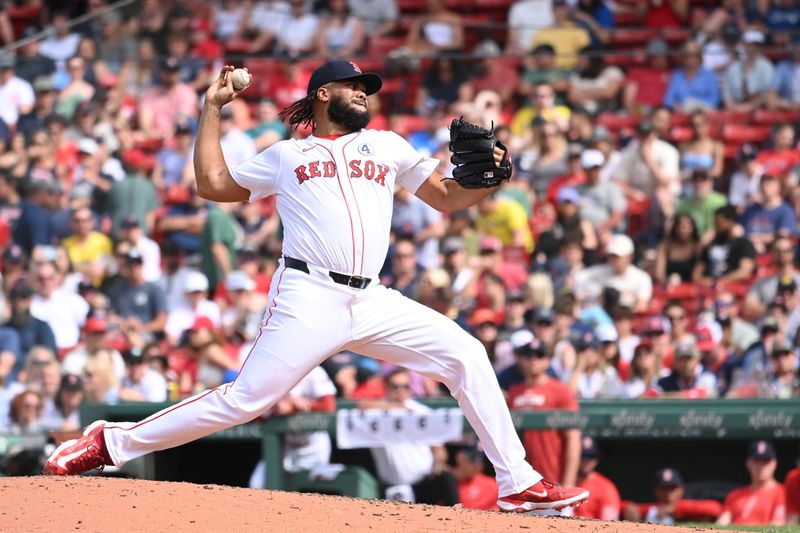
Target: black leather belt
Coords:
[(356, 282)]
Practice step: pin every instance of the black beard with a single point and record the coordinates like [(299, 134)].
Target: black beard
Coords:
[(342, 113)]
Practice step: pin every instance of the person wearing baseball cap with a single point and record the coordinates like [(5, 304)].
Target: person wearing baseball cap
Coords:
[(763, 501), (670, 506), (141, 382), (634, 284), (593, 377), (606, 502), (605, 205), (687, 379)]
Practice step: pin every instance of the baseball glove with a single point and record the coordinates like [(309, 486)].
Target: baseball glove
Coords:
[(473, 155)]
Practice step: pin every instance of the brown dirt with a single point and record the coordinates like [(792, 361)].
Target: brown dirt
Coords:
[(109, 504)]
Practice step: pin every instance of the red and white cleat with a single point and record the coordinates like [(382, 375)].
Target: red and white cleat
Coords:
[(77, 456), (543, 495)]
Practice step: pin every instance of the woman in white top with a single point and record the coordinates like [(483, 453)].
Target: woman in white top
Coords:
[(645, 371), (436, 31), (341, 34), (593, 377)]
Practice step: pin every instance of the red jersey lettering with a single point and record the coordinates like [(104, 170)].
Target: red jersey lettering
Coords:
[(329, 169), (300, 172), (355, 168), (369, 169), (382, 172), (313, 167)]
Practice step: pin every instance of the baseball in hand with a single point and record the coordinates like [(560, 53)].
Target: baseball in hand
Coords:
[(240, 79)]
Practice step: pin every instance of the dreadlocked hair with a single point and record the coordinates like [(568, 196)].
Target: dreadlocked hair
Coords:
[(301, 112)]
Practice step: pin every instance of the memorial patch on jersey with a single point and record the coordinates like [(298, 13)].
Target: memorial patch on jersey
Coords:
[(368, 169)]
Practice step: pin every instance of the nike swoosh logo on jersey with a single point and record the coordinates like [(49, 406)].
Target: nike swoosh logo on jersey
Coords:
[(542, 494), (307, 149), (64, 459)]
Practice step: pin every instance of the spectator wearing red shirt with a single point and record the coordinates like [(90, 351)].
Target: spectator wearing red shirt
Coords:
[(783, 157), (646, 84), (763, 502), (605, 503), (554, 453), (792, 486), (476, 490), (670, 506)]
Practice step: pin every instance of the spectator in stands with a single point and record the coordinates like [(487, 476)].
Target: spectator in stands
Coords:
[(63, 310), (551, 161), (688, 379), (462, 275), (218, 243), (646, 369), (593, 377), (141, 383), (634, 285), (341, 32), (540, 68), (783, 157), (86, 247), (61, 44), (606, 502), (525, 19), (135, 195), (229, 17), (748, 78), (539, 392), (419, 467), (769, 218), (521, 348), (203, 362), (569, 225), (100, 381), (31, 331), (702, 151), (566, 37), (77, 91), (602, 204), (692, 87), (702, 202), (197, 304), (783, 20), (649, 169), (445, 84), (670, 505), (299, 35), (646, 84), (727, 257), (139, 308), (763, 501), (764, 290), (16, 95), (792, 486), (494, 74), (269, 128), (94, 344), (678, 252), (476, 490), (784, 92), (405, 270), (167, 103), (380, 16), (783, 380), (65, 414), (594, 85), (30, 63), (242, 318), (26, 412), (414, 218), (506, 220), (436, 31), (657, 14), (148, 248), (265, 21), (742, 333), (543, 109), (744, 181)]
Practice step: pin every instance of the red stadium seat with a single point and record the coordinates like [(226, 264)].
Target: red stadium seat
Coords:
[(679, 134), (412, 5), (774, 116), (632, 37), (744, 133), (380, 46), (616, 122), (405, 124)]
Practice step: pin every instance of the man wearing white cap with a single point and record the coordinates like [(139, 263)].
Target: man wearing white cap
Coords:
[(195, 286), (603, 204), (634, 285), (748, 79)]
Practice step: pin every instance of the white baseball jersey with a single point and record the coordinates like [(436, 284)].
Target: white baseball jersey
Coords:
[(334, 195)]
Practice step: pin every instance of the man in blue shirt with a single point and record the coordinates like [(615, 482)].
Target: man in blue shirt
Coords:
[(692, 87), (764, 221), (785, 89)]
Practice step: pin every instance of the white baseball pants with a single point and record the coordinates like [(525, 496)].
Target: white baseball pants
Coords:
[(310, 318)]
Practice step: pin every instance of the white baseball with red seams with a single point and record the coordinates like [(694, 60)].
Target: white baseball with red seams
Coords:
[(334, 196)]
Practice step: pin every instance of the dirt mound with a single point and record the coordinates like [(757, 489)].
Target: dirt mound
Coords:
[(109, 504)]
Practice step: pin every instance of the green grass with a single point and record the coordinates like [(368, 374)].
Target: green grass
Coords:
[(759, 529)]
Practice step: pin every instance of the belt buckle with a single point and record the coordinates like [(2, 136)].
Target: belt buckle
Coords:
[(358, 282)]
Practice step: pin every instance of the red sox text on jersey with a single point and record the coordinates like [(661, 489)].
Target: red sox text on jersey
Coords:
[(368, 169)]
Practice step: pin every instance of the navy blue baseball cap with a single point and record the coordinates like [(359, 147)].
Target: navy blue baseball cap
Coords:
[(338, 70)]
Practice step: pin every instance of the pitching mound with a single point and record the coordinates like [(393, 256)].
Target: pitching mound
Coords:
[(108, 504)]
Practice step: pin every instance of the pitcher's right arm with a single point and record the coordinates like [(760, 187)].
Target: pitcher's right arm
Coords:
[(214, 180)]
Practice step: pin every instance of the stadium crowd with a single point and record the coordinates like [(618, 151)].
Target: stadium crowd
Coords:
[(645, 247)]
